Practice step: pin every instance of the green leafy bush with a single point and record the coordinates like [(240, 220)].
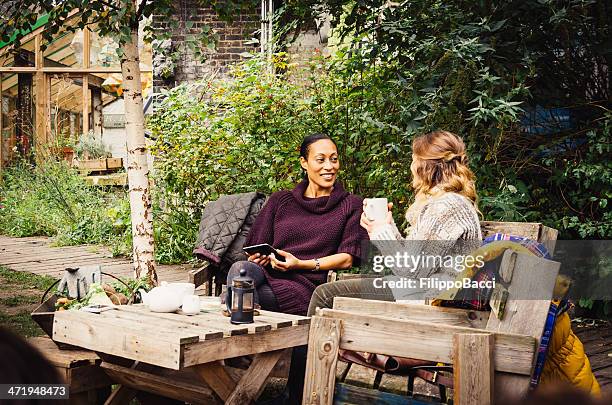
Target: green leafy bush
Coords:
[(242, 134), (53, 200)]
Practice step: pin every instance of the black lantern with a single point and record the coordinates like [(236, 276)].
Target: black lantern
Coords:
[(240, 299)]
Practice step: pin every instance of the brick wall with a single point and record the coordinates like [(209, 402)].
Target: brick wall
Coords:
[(232, 38)]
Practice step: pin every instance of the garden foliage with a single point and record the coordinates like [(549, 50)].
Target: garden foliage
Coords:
[(525, 83), (54, 200), (242, 134)]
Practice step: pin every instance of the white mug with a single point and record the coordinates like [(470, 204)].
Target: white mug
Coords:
[(376, 209), (191, 304)]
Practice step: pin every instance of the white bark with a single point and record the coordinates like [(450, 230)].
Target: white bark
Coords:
[(138, 171)]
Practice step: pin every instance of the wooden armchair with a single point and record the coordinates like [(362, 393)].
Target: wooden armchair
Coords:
[(209, 274), (487, 354)]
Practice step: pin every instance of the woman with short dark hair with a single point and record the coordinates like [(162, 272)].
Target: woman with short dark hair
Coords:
[(315, 227)]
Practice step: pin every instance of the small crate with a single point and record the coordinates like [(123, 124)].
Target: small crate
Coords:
[(92, 164), (114, 163)]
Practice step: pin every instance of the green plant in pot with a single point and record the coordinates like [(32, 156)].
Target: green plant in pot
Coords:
[(63, 146), (91, 147)]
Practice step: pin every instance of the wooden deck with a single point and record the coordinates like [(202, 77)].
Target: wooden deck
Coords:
[(35, 255), (597, 341)]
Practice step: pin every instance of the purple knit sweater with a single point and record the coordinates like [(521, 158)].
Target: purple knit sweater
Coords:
[(308, 228)]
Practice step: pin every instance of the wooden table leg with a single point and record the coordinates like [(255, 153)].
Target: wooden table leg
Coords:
[(217, 378), (252, 382), (473, 368), (124, 394)]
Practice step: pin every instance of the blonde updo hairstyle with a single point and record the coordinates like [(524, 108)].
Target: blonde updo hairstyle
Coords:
[(440, 162)]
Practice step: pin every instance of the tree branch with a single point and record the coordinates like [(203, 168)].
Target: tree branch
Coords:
[(140, 10)]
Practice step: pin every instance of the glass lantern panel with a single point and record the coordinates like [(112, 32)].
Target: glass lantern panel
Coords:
[(234, 302), (247, 301)]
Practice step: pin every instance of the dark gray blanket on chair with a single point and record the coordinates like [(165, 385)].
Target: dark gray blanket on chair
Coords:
[(224, 227)]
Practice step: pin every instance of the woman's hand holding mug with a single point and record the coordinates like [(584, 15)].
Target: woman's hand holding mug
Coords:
[(376, 213)]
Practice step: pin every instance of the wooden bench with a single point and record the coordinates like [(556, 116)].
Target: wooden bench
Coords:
[(488, 354), (80, 369)]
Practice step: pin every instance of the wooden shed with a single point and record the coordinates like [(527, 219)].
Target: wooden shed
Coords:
[(52, 93)]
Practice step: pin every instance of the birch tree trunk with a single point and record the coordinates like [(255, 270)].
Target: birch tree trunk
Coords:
[(137, 168)]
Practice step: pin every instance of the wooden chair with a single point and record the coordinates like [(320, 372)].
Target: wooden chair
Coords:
[(209, 274), (476, 343)]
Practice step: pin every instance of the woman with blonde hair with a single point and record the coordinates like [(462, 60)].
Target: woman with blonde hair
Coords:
[(443, 222)]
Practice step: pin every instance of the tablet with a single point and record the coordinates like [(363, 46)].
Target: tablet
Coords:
[(263, 249)]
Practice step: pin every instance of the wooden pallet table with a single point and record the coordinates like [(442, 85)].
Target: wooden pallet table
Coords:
[(172, 354)]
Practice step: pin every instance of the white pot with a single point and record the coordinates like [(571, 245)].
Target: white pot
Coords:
[(162, 299), (181, 289)]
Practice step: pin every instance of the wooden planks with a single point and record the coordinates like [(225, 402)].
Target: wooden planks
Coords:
[(323, 346), (119, 337), (548, 236), (529, 230), (242, 345), (178, 323), (162, 385), (532, 230), (34, 255), (350, 394), (529, 295), (427, 341), (174, 340), (275, 319), (79, 368), (209, 322), (63, 358), (217, 378), (427, 313), (473, 369), (201, 275), (42, 112)]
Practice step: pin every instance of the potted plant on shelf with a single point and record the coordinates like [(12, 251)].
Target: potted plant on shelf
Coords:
[(63, 147), (93, 155)]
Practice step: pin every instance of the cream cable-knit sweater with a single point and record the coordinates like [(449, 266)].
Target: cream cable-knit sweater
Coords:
[(447, 225)]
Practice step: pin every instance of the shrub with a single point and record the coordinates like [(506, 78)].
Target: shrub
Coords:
[(53, 200), (242, 134)]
